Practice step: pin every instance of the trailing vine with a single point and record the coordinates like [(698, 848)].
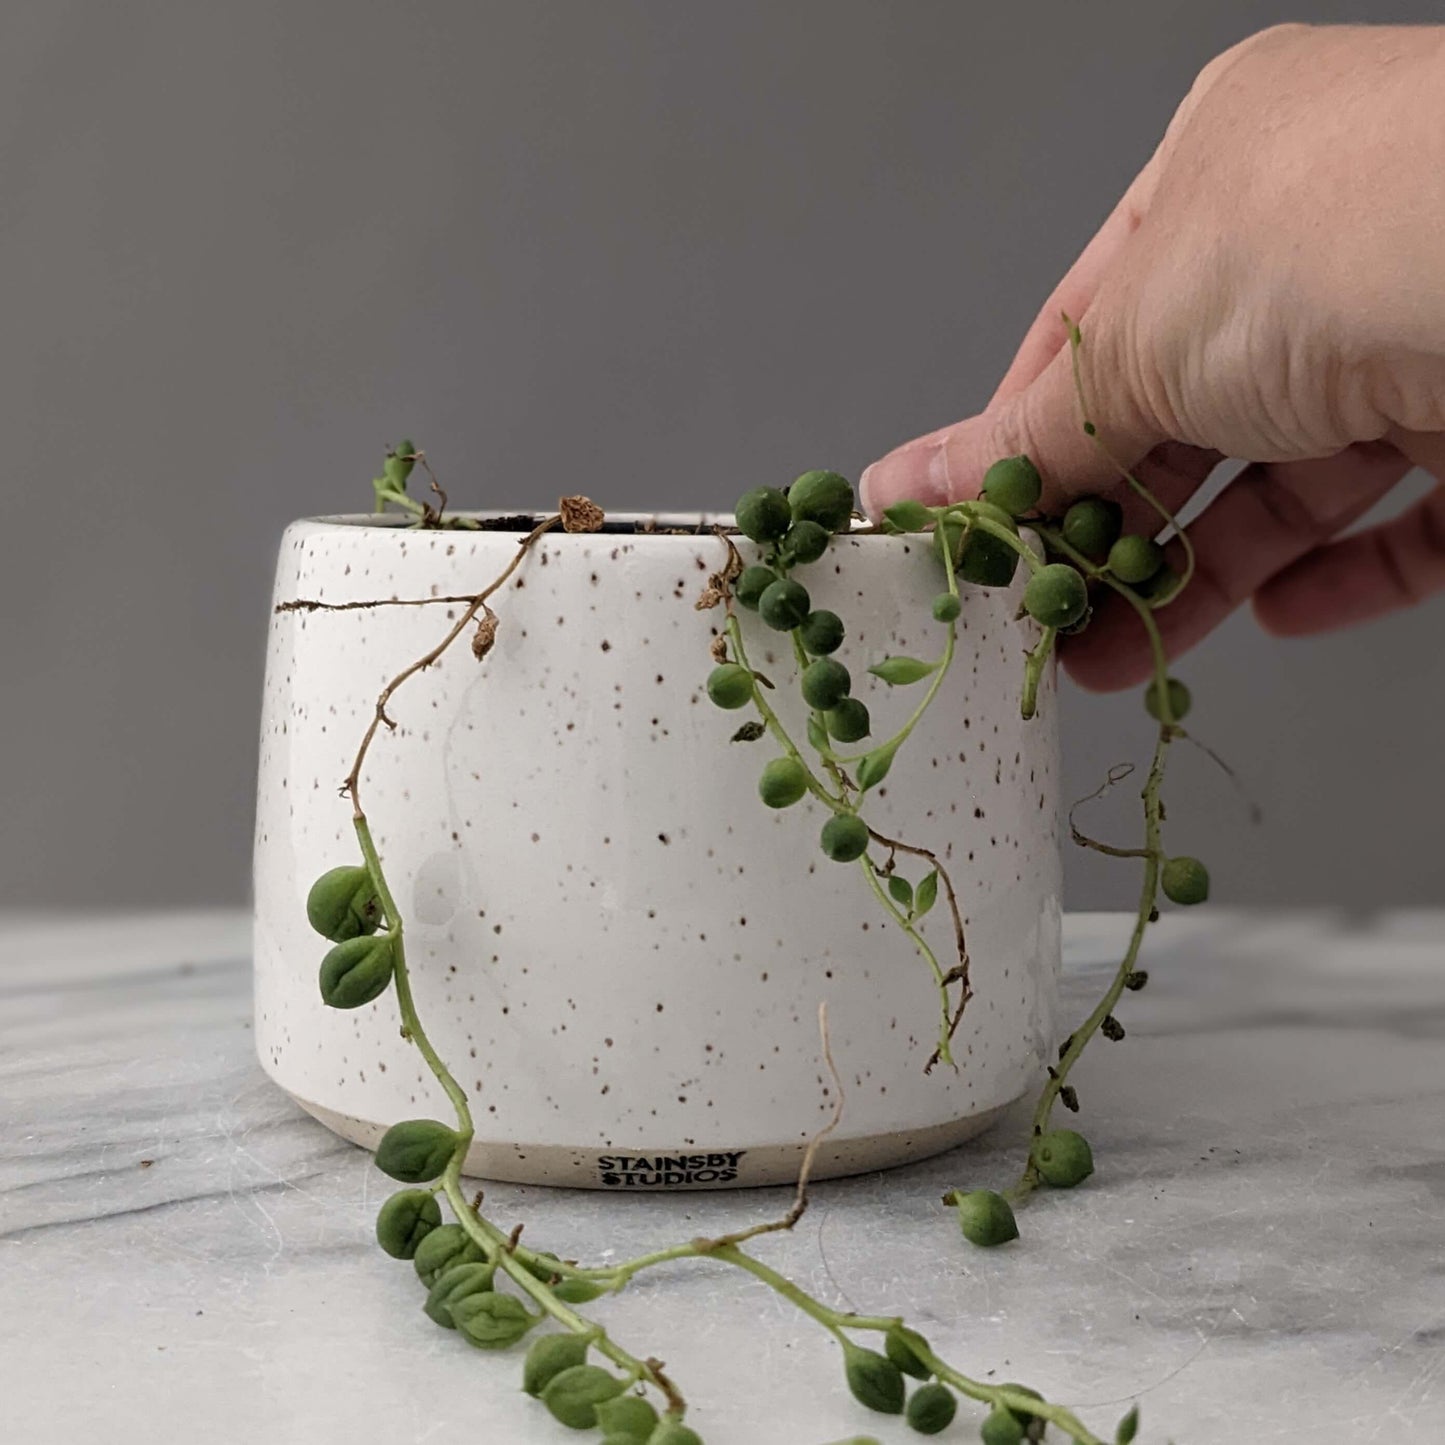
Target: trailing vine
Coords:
[(480, 1279)]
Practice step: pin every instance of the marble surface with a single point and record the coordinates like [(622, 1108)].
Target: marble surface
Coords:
[(185, 1256)]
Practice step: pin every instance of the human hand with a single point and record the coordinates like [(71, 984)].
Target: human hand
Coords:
[(1272, 288)]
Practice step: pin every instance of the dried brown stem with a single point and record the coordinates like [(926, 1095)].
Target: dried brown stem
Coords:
[(800, 1196), (352, 783), (1115, 775), (960, 941), (306, 604)]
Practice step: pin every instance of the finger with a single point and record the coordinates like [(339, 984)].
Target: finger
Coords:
[(1269, 517), (1042, 421), (1172, 472), (1075, 293), (1381, 570)]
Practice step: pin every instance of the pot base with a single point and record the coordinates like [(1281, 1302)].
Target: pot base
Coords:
[(643, 1172)]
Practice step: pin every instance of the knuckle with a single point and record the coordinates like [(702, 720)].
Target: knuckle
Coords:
[(1396, 573), (1271, 37), (1287, 509), (1411, 551), (1432, 534)]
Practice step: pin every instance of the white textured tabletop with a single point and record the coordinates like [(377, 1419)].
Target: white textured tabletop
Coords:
[(185, 1256)]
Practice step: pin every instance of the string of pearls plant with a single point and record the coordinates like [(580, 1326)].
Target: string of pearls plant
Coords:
[(478, 1278)]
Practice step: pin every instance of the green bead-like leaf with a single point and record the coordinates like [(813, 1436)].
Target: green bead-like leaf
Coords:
[(548, 1357), (987, 561), (574, 1395), (1135, 559), (1022, 1416), (730, 686), (444, 1247), (822, 497), (908, 516), (1161, 586), (405, 1220), (751, 585), (1092, 525), (674, 1432), (985, 510), (875, 765), (1179, 700), (927, 894), (493, 1321), (806, 541), (985, 1218), (784, 605), (1013, 484), (825, 683), (902, 1345), (416, 1150), (821, 632), (902, 892), (343, 904), (1056, 595), (874, 1379), (1127, 1428), (849, 722), (541, 1265), (783, 783), (1001, 1428), (626, 1420), (817, 738), (398, 466), (454, 1285), (357, 972), (1063, 1158), (575, 1291), (1184, 880), (900, 671), (763, 514), (931, 1409), (844, 838), (946, 607)]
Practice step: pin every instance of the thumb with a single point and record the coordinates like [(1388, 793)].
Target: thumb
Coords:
[(1044, 421)]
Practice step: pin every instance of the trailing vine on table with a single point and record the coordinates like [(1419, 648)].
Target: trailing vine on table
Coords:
[(479, 1278)]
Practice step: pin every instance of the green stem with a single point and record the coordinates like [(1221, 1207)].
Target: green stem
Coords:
[(410, 1020), (826, 753), (1035, 661), (940, 671), (837, 1321), (484, 1234), (402, 500), (1135, 485), (967, 511), (832, 1320), (921, 944), (1002, 1398), (1148, 893), (774, 724), (506, 1253)]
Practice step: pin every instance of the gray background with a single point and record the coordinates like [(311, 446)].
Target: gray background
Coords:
[(651, 251)]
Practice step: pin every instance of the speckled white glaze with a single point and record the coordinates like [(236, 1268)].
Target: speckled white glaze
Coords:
[(618, 948)]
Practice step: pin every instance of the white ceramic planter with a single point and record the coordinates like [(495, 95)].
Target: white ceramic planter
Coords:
[(619, 949)]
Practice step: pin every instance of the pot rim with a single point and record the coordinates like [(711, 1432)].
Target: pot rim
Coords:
[(697, 524)]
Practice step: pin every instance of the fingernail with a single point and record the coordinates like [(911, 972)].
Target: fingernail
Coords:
[(865, 489), (918, 470)]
